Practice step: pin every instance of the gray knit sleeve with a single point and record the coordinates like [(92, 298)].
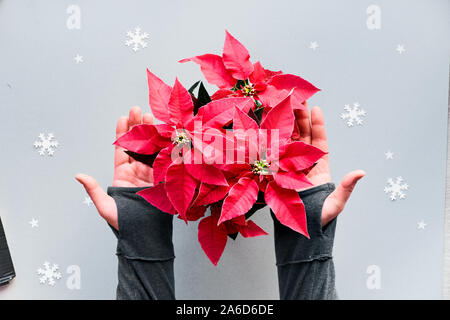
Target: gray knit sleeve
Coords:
[(144, 248), (305, 266)]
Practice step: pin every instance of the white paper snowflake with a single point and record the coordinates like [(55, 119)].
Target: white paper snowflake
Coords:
[(46, 144), (353, 114), (49, 274), (136, 39), (396, 188)]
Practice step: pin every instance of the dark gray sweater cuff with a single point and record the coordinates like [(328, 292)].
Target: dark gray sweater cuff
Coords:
[(291, 246), (145, 232)]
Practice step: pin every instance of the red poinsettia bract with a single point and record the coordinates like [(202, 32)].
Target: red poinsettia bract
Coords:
[(175, 179), (191, 172), (277, 174), (235, 75), (213, 237)]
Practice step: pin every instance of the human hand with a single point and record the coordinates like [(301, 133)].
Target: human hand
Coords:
[(127, 171), (311, 129)]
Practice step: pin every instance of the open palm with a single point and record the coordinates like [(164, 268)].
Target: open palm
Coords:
[(310, 128), (127, 171)]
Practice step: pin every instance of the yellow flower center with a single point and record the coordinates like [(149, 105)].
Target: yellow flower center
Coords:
[(181, 138), (248, 90), (260, 167)]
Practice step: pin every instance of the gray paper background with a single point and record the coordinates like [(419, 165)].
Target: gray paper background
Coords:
[(42, 89)]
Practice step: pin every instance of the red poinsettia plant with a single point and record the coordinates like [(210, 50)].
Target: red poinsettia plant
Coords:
[(231, 153)]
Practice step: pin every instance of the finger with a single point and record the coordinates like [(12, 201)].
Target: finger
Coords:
[(135, 117), (106, 206), (304, 125), (296, 133), (336, 201), (120, 156), (122, 126), (318, 134), (148, 118)]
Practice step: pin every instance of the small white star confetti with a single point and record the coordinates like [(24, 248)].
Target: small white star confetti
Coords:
[(389, 155), (136, 39), (78, 59), (313, 45), (88, 201), (46, 144), (34, 223), (400, 48), (421, 225)]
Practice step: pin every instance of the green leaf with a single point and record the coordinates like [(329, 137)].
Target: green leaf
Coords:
[(196, 103), (252, 115), (147, 159), (239, 84), (203, 96), (233, 235), (259, 114), (259, 204), (192, 88)]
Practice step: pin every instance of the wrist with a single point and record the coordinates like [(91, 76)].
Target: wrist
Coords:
[(291, 246)]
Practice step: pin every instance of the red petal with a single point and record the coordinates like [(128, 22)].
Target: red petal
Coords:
[(258, 74), (212, 238), (241, 121), (164, 137), (287, 207), (164, 130), (239, 221), (222, 93), (236, 58), (270, 74), (261, 75), (159, 94), (246, 131), (298, 156), (195, 213), (236, 168), (211, 144), (217, 113), (143, 139), (162, 162), (214, 70), (231, 227), (157, 197), (251, 230), (240, 199), (209, 194), (291, 180), (206, 173), (303, 89), (272, 96), (180, 187), (181, 107), (280, 118)]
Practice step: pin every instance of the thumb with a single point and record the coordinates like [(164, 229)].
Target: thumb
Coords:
[(106, 206), (335, 202)]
